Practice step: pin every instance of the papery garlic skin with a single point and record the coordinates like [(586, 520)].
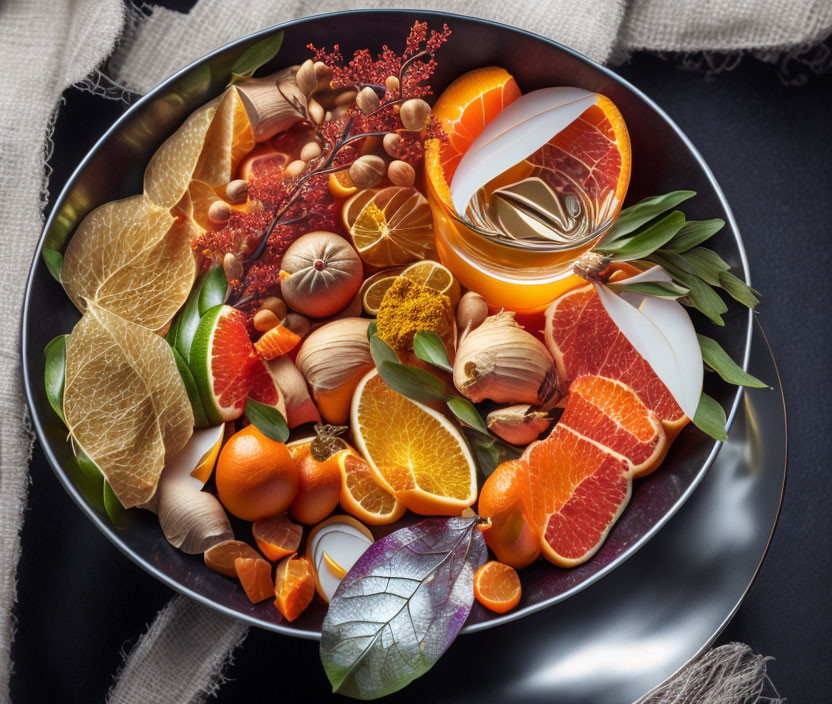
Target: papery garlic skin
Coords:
[(518, 425), (500, 361)]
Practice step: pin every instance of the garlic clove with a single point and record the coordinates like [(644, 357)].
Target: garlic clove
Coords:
[(518, 425), (306, 79), (471, 311)]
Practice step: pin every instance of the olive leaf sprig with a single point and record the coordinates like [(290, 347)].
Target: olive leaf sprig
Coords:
[(420, 385), (643, 231)]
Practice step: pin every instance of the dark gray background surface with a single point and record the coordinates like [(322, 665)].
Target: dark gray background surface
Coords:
[(81, 601)]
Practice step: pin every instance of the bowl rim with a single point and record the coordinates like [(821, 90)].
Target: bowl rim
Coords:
[(112, 534)]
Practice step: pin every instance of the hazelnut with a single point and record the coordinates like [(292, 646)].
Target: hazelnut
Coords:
[(275, 305), (297, 323), (306, 79), (345, 97), (392, 84), (414, 114), (367, 170), (367, 100), (323, 74), (392, 144), (237, 191), (232, 267), (316, 111), (219, 212), (310, 150), (296, 168), (401, 173), (265, 320)]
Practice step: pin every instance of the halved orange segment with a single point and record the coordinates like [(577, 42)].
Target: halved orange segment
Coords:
[(413, 451), (221, 557), (497, 587), (277, 536), (341, 185), (434, 275), (361, 494), (390, 226), (294, 586), (255, 574)]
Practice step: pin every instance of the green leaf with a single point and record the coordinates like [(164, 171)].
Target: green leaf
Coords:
[(268, 420), (663, 289), (706, 300), (710, 418), (633, 217), (646, 241), (88, 479), (705, 263), (463, 409), (214, 289), (115, 511), (738, 289), (173, 330), (54, 261), (54, 373), (256, 56), (490, 452), (188, 322), (381, 351), (200, 419), (372, 329), (694, 233), (428, 347), (412, 382), (717, 359)]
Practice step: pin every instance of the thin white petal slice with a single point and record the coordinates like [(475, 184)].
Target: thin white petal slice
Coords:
[(517, 132), (654, 273)]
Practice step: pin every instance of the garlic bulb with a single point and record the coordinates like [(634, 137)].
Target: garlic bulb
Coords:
[(518, 425), (333, 359), (273, 103), (500, 361)]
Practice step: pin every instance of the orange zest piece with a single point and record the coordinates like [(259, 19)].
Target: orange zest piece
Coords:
[(221, 558), (275, 342), (255, 574), (497, 587), (277, 536), (294, 586)]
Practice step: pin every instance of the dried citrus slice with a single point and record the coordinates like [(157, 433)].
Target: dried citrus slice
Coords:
[(374, 287), (341, 185), (413, 451), (361, 494), (294, 586), (277, 536), (390, 226), (497, 587), (255, 574), (434, 275)]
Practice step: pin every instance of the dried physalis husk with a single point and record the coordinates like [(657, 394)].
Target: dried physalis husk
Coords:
[(124, 401), (132, 258), (501, 361)]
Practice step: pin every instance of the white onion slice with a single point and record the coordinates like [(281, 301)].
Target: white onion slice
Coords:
[(653, 274), (516, 133)]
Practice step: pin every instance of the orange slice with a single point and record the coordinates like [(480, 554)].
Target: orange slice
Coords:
[(497, 587), (361, 494), (413, 451), (277, 536), (221, 557), (390, 226), (294, 586), (341, 185), (275, 342), (435, 276), (255, 574)]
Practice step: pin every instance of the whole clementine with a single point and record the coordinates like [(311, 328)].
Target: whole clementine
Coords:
[(256, 476), (319, 485)]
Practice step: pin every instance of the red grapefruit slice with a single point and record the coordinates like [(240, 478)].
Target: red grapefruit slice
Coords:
[(222, 358), (264, 388)]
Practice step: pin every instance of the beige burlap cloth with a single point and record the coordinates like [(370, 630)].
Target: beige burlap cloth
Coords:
[(52, 44)]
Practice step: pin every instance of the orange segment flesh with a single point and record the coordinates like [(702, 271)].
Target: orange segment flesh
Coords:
[(275, 342), (412, 450), (277, 536), (361, 494), (497, 587), (220, 558), (294, 586), (255, 574), (341, 185)]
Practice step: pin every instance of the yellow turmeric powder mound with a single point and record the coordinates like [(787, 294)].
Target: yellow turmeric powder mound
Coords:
[(407, 308)]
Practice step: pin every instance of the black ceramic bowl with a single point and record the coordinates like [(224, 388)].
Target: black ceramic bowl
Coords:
[(663, 160)]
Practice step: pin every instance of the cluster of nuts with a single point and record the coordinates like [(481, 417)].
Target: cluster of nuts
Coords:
[(273, 312)]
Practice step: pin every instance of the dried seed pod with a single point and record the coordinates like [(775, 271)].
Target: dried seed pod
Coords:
[(414, 114), (316, 111), (518, 425), (275, 305), (306, 79), (501, 361), (367, 170), (471, 311), (219, 212), (232, 267), (237, 191), (296, 168), (310, 150), (367, 100), (297, 323), (401, 173), (392, 144), (392, 84), (345, 98), (272, 102), (265, 320)]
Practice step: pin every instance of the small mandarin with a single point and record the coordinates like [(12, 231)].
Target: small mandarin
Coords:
[(319, 486)]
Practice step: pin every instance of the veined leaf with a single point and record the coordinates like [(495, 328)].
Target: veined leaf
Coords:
[(647, 241), (256, 56), (54, 373), (634, 216), (412, 382), (706, 264), (664, 289), (428, 347), (717, 359), (112, 506), (738, 289), (54, 261), (214, 289), (463, 409), (490, 452), (701, 296), (381, 351), (200, 419), (268, 420), (695, 232), (710, 418), (401, 605)]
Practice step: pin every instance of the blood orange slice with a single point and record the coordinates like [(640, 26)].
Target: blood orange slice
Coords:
[(222, 358), (578, 316)]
